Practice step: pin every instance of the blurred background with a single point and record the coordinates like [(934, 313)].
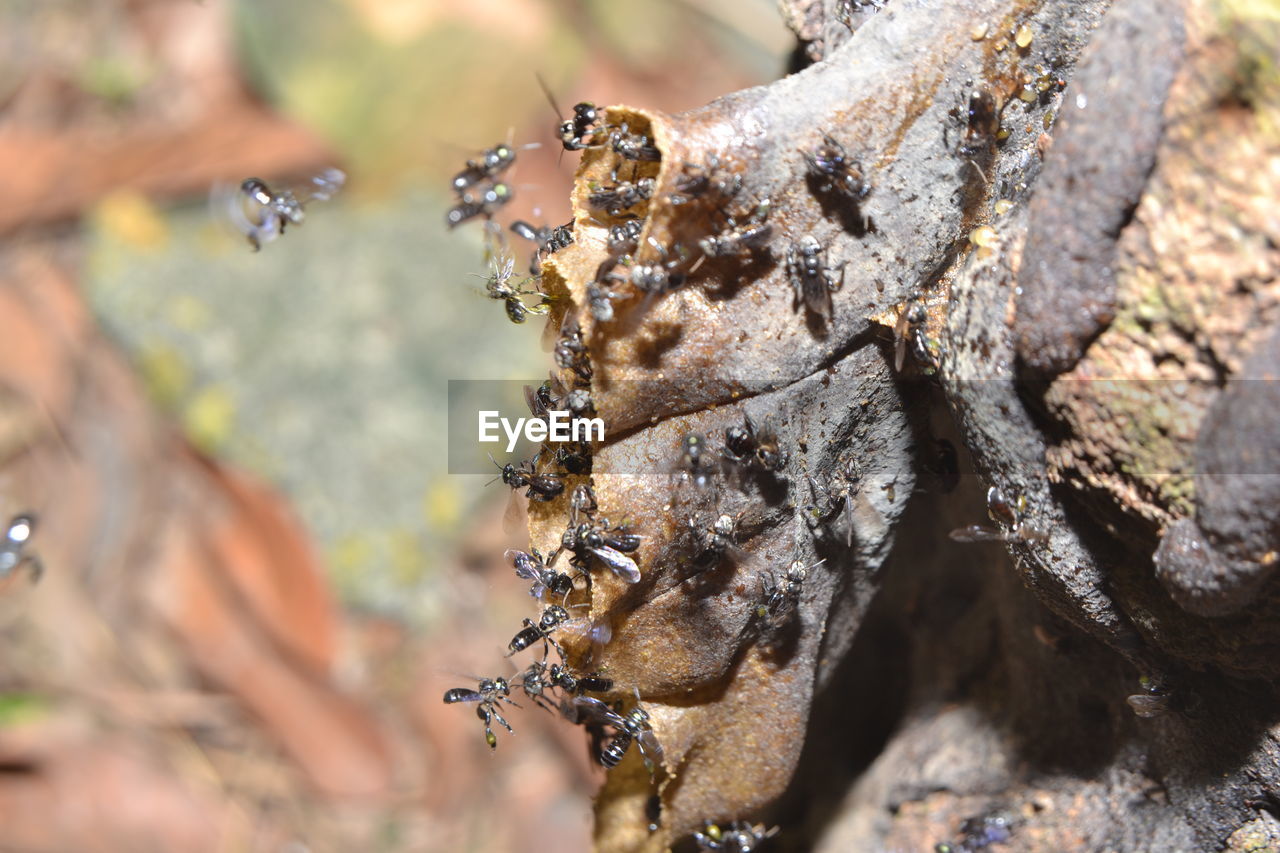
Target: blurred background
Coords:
[(259, 576)]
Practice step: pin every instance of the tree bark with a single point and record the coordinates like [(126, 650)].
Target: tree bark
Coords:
[(1066, 262)]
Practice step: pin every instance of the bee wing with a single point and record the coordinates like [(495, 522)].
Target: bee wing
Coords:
[(322, 187), (620, 564), (515, 521), (524, 568), (650, 746), (976, 533), (587, 708), (598, 633)]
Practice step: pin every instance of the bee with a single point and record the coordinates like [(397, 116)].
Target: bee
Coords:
[(600, 300), (1155, 700), (696, 462), (571, 351), (576, 133), (530, 566), (696, 181), (14, 553), (831, 170), (583, 502), (813, 280), (565, 679), (617, 198), (661, 277), (1007, 514), (752, 444), (498, 285), (262, 214), (609, 546), (488, 696), (981, 119), (633, 146), (485, 204), (778, 600), (630, 727), (713, 543), (491, 164), (738, 837), (548, 240), (553, 396), (735, 239), (552, 618), (624, 237), (574, 458), (538, 678), (541, 487)]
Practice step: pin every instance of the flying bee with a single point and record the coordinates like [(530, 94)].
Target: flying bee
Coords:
[(541, 487), (629, 727), (13, 548), (486, 203), (498, 285), (813, 280), (609, 546), (738, 837), (615, 199), (736, 239), (754, 444), (530, 566), (489, 695), (490, 165), (262, 214), (577, 133), (832, 171), (1006, 513)]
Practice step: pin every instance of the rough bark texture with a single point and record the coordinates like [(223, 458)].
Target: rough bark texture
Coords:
[(1095, 261)]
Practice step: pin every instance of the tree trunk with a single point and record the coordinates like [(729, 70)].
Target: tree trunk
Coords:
[(1055, 247)]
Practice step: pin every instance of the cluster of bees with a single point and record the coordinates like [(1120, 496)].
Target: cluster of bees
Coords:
[(557, 680), (650, 270), (590, 541), (634, 273)]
